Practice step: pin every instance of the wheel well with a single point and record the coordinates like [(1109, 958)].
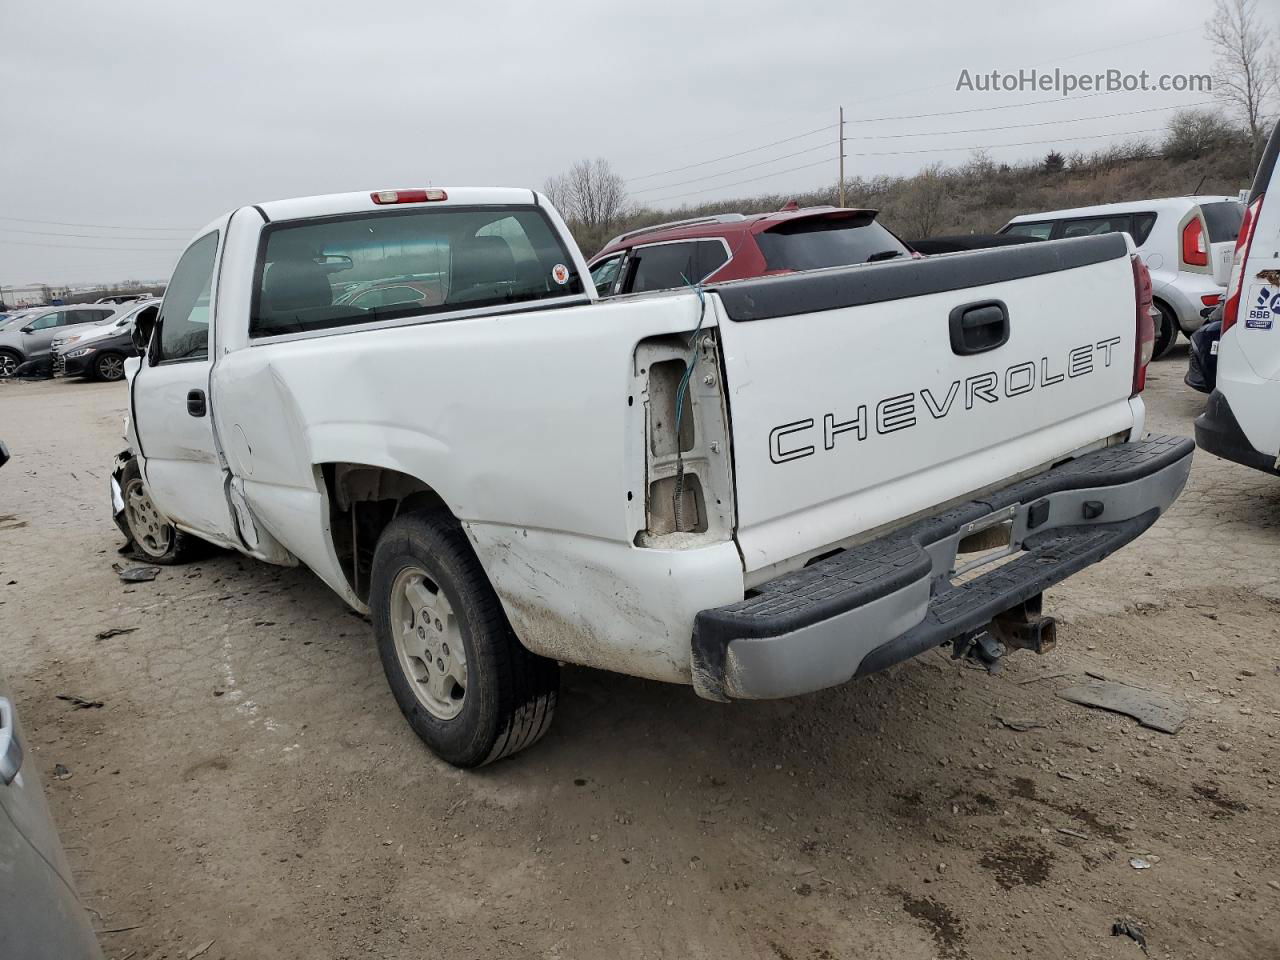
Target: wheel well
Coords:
[(362, 500)]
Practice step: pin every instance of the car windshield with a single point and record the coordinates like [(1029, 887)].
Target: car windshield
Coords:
[(1224, 219), (830, 241)]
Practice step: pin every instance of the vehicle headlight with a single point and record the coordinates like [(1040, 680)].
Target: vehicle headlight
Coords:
[(81, 352)]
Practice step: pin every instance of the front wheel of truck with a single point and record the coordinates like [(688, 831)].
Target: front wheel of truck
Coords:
[(152, 537), (462, 679)]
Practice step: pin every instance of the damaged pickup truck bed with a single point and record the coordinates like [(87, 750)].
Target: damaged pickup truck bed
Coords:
[(761, 488)]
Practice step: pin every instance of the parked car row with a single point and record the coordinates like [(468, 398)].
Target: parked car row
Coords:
[(1187, 245), (89, 340)]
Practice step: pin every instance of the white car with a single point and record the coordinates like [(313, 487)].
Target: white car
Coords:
[(1186, 243), (757, 489), (1241, 421)]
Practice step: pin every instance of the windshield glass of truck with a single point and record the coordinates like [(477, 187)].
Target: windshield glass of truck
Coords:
[(362, 268), (1224, 219), (812, 244)]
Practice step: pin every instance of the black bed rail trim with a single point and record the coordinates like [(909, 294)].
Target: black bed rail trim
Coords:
[(814, 291)]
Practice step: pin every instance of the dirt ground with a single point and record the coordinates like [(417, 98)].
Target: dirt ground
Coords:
[(249, 780)]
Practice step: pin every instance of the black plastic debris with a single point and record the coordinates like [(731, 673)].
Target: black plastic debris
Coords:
[(80, 703), (113, 632), (135, 573), (1127, 928)]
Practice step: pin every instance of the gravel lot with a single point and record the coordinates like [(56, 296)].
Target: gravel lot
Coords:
[(249, 780)]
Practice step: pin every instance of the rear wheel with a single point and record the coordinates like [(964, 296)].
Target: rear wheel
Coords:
[(9, 362), (153, 537), (109, 367), (462, 679), (1166, 331)]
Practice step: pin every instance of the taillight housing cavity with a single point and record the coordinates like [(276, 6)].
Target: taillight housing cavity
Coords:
[(407, 196), (1195, 252), (1244, 241), (1145, 339)]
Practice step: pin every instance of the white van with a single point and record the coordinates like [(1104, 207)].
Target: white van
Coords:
[(1186, 242), (1241, 420)]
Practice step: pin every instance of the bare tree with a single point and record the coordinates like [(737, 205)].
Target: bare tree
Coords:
[(926, 204), (590, 193), (1195, 133), (1247, 75)]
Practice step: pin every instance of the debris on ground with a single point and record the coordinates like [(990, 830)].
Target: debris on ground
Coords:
[(202, 949), (1020, 724), (1150, 709), (80, 703), (113, 632), (1140, 863), (135, 573), (60, 772), (1127, 928)]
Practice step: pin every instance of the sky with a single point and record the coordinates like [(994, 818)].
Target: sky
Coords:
[(126, 126)]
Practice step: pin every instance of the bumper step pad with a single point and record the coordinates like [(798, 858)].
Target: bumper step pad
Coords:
[(901, 560)]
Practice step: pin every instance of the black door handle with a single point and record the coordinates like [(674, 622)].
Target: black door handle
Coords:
[(979, 327), (196, 405)]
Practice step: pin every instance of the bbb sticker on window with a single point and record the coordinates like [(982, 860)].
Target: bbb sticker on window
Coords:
[(1264, 304)]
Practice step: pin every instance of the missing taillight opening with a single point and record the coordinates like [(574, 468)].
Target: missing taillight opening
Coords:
[(1145, 333)]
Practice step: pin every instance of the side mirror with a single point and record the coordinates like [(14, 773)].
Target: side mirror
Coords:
[(28, 329), (143, 326)]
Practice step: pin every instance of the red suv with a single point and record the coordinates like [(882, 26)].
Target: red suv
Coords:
[(734, 246)]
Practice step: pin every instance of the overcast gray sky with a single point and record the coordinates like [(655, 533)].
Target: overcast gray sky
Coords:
[(154, 113)]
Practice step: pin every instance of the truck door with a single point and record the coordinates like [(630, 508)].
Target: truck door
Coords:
[(178, 452)]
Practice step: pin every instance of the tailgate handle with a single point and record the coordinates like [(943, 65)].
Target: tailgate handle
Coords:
[(978, 327)]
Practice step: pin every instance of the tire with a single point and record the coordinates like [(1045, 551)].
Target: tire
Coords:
[(9, 362), (152, 538), (1166, 332), (423, 563), (109, 367)]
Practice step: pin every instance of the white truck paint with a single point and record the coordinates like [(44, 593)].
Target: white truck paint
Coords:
[(547, 427)]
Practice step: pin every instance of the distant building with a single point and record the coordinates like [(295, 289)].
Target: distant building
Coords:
[(31, 295)]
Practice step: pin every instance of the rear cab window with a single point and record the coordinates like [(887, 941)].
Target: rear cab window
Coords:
[(368, 267), (819, 242)]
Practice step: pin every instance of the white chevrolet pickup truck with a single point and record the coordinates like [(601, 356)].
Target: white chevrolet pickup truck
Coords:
[(760, 488)]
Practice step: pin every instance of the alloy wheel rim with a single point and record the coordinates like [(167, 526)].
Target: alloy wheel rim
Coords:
[(111, 368), (150, 531), (428, 642), (8, 365)]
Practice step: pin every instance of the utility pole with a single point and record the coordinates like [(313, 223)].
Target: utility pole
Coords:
[(842, 156)]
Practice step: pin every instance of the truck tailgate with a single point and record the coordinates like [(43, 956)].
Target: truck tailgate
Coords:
[(855, 401)]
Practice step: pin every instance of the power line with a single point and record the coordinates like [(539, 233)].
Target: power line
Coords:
[(98, 226), (730, 156), (848, 120), (77, 246), (725, 173), (928, 133), (85, 236), (895, 153)]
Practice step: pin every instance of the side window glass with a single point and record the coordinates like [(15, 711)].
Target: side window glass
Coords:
[(45, 322), (663, 266), (1040, 231), (604, 273), (1142, 226), (1095, 226), (184, 314), (711, 257)]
